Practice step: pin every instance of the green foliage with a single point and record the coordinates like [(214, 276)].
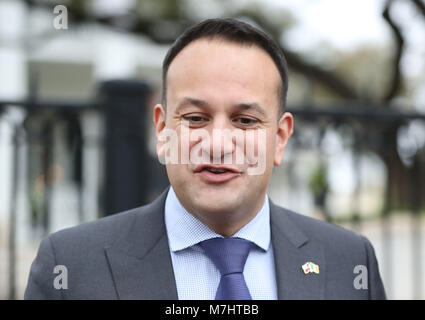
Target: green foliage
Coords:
[(319, 181)]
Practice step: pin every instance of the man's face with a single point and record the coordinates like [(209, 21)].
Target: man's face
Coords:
[(216, 85)]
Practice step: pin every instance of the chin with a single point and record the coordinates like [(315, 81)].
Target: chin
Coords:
[(213, 197)]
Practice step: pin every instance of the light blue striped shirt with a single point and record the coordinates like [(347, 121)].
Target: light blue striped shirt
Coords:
[(196, 276)]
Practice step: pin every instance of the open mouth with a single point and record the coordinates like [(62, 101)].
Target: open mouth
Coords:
[(216, 171), (216, 174)]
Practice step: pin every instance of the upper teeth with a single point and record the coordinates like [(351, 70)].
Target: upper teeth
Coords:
[(216, 170)]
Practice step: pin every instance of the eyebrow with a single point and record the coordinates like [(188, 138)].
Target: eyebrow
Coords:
[(251, 106), (186, 101)]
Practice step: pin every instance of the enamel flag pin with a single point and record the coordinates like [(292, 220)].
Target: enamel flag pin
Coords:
[(310, 267)]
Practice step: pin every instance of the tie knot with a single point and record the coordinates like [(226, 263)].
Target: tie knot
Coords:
[(228, 254)]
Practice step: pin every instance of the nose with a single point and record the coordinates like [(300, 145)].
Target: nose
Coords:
[(221, 146)]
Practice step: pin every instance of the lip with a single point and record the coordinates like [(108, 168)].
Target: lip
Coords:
[(201, 167), (210, 177)]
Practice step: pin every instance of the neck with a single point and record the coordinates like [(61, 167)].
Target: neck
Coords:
[(227, 224)]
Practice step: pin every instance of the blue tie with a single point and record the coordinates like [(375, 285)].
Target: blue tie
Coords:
[(229, 256)]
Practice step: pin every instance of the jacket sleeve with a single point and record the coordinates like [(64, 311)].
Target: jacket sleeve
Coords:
[(41, 277), (376, 287)]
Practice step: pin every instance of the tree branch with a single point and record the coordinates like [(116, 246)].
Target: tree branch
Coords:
[(397, 78), (164, 32), (420, 5), (326, 78)]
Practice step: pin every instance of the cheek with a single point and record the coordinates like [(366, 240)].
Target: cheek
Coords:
[(191, 143), (249, 145), (267, 145), (259, 147), (271, 143), (185, 144)]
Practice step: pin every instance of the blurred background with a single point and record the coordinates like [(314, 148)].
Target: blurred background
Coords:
[(79, 79)]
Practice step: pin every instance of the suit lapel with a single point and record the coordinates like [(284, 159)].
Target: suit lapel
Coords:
[(292, 249), (140, 262)]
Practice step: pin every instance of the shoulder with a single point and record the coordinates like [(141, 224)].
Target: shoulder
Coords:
[(341, 252), (80, 249), (96, 234), (105, 232), (333, 237), (322, 230)]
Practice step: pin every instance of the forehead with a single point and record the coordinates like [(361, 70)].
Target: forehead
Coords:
[(216, 69)]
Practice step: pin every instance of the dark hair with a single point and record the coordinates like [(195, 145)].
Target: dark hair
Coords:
[(231, 30)]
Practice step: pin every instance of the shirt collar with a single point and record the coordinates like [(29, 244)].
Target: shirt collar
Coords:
[(184, 230)]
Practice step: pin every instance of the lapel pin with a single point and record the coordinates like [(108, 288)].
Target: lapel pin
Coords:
[(310, 267)]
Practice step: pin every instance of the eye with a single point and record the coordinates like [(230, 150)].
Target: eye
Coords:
[(246, 121), (195, 119)]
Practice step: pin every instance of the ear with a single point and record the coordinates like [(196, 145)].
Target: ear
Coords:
[(159, 123), (284, 132)]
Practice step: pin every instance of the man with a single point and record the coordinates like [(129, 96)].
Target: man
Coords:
[(214, 233)]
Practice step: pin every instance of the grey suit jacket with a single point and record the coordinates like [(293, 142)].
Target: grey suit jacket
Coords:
[(126, 256)]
